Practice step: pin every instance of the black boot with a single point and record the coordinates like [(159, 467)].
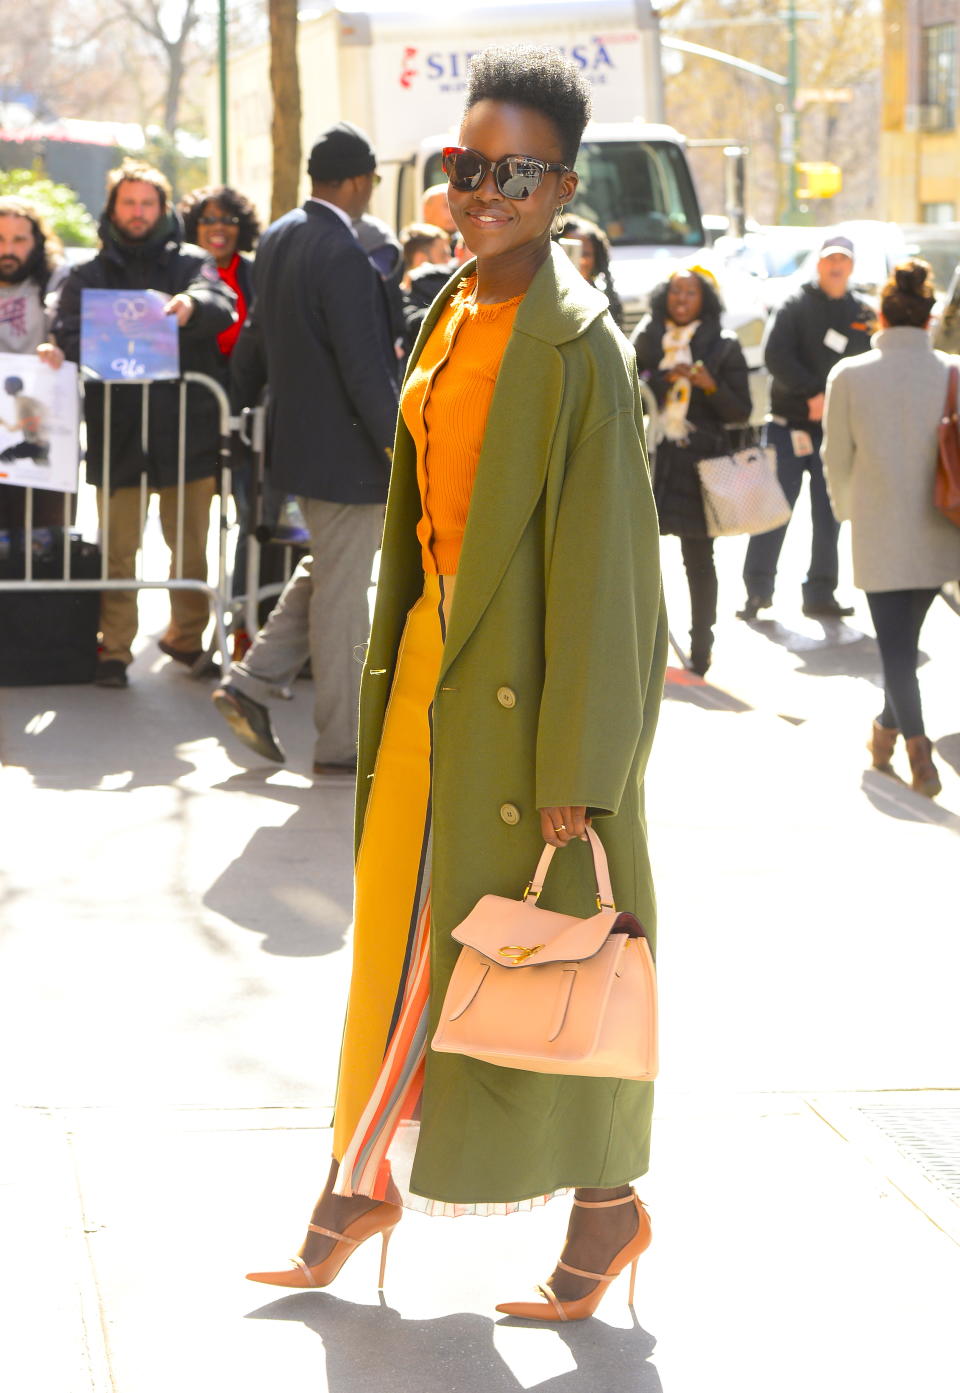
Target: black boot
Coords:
[(701, 651)]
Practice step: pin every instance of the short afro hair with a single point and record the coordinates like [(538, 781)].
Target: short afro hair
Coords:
[(540, 79), (233, 202)]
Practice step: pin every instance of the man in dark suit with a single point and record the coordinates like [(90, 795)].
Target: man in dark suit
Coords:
[(319, 334)]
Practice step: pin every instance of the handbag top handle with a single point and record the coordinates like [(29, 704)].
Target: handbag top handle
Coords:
[(951, 407), (601, 870)]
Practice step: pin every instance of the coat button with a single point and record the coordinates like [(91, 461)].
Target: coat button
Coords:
[(507, 697), (510, 814)]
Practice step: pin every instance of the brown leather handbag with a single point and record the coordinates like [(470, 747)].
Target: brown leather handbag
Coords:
[(547, 992), (946, 488)]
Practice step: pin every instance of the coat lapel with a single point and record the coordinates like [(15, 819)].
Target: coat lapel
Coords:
[(512, 468), (510, 477), (518, 441)]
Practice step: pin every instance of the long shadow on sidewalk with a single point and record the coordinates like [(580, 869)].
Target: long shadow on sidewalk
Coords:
[(293, 884), (843, 651), (369, 1347)]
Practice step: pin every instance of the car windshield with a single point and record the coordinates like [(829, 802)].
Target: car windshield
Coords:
[(639, 192)]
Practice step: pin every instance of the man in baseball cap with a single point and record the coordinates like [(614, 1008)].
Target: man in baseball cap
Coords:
[(812, 330), (319, 335)]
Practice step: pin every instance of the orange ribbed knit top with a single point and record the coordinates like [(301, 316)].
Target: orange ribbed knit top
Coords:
[(444, 404)]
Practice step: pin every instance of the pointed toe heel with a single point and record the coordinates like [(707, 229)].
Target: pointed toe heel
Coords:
[(381, 1220), (553, 1309)]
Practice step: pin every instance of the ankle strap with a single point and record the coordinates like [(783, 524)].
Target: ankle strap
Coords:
[(604, 1204), (329, 1233), (579, 1272)]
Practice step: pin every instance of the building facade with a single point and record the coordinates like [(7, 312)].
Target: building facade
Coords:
[(920, 140)]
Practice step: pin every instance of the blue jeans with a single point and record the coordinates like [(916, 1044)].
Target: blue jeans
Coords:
[(763, 551)]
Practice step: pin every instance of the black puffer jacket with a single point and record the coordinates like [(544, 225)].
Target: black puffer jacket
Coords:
[(163, 263), (676, 481)]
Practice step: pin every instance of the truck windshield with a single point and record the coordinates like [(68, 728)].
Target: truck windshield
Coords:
[(639, 193)]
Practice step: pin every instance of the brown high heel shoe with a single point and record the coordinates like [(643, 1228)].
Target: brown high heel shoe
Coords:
[(629, 1254), (383, 1219)]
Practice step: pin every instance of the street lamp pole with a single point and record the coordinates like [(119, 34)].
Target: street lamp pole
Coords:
[(222, 75), (790, 141)]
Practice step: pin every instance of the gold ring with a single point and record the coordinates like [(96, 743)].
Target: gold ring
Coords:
[(561, 827)]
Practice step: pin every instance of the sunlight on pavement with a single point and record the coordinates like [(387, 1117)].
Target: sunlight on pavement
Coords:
[(111, 782), (39, 723), (533, 1356)]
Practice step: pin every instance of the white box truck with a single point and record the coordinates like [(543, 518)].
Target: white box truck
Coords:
[(402, 78)]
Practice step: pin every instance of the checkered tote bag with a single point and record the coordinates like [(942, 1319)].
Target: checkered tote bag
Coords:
[(741, 493)]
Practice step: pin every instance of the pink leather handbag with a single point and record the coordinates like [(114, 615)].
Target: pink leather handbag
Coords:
[(534, 989)]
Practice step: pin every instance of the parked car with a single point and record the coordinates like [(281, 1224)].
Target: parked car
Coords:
[(771, 254)]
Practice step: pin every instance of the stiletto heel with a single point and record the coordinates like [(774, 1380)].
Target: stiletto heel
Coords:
[(382, 1219), (555, 1309), (387, 1235)]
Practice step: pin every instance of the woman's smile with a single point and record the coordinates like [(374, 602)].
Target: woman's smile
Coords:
[(489, 218)]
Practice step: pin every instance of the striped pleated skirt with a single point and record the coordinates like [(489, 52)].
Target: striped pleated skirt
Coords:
[(385, 1035)]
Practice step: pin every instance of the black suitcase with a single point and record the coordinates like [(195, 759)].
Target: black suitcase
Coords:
[(48, 637)]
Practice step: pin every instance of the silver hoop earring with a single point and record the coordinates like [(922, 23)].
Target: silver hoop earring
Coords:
[(559, 222)]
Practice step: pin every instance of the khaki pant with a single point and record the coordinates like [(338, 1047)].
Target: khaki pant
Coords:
[(189, 609), (323, 613)]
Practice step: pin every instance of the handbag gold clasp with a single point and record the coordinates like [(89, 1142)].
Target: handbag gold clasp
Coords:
[(518, 954)]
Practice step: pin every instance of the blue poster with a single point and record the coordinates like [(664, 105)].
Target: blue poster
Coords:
[(126, 337)]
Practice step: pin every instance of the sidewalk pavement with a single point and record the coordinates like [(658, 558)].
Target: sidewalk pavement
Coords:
[(172, 971)]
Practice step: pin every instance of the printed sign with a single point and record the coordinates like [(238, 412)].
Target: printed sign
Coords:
[(39, 423), (126, 337), (418, 87)]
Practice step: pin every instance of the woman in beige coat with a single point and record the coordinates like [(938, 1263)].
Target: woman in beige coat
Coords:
[(880, 451)]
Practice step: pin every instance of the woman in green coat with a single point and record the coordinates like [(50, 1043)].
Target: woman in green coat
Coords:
[(510, 696)]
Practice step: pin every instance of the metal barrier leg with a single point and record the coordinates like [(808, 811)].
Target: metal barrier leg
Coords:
[(105, 484), (28, 534)]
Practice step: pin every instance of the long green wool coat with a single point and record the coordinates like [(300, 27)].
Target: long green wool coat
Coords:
[(558, 598)]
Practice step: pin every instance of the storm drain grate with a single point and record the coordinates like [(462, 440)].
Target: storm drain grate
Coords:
[(928, 1137)]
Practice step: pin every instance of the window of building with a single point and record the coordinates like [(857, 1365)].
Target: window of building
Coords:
[(938, 77), (937, 212)]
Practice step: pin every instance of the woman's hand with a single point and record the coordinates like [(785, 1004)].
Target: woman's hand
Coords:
[(182, 307), (701, 378), (562, 825)]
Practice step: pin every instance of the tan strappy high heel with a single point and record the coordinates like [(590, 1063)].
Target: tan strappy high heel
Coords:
[(554, 1308), (383, 1219)]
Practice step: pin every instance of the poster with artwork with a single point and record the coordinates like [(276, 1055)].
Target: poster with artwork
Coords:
[(126, 337), (39, 424)]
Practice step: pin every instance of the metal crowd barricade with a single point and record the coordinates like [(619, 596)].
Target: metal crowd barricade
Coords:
[(217, 591), (261, 532)]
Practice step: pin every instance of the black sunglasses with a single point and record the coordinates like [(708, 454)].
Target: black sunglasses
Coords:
[(516, 176), (224, 221)]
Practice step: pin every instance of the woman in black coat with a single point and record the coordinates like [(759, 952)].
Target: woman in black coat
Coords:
[(699, 376)]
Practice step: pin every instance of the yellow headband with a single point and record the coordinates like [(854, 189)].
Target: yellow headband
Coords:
[(698, 271)]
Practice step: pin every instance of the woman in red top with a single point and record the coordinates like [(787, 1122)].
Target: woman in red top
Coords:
[(225, 224)]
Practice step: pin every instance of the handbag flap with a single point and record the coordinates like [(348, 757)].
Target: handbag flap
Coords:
[(515, 933)]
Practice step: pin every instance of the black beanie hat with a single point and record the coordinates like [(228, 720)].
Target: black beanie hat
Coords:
[(341, 152)]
